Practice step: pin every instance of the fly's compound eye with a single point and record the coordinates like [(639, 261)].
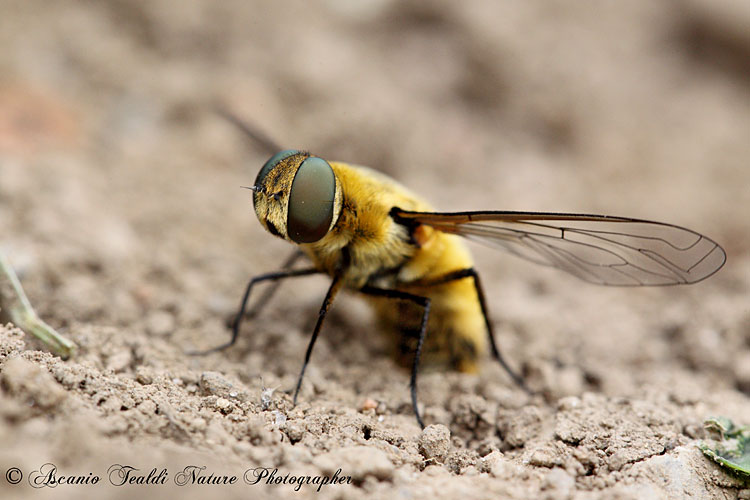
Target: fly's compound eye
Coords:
[(272, 162), (311, 198)]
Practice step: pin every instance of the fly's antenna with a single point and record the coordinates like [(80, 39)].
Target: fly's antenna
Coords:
[(250, 130)]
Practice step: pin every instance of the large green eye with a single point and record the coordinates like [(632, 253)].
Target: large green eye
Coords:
[(272, 162), (311, 201)]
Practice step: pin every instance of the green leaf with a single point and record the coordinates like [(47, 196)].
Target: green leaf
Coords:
[(732, 449)]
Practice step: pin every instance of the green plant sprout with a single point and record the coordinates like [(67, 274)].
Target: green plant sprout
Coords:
[(16, 308)]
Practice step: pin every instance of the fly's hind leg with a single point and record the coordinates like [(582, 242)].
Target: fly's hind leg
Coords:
[(472, 273), (423, 302)]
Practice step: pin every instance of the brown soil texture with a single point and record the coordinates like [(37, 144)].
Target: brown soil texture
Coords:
[(121, 209)]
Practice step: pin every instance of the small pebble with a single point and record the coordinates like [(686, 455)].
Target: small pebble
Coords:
[(215, 383), (496, 464), (356, 461), (224, 405), (560, 481), (279, 418), (28, 381), (435, 442), (369, 404)]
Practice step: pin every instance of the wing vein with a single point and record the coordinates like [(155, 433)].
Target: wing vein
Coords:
[(588, 246)]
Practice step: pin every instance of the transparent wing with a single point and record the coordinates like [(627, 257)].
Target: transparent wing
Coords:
[(600, 249)]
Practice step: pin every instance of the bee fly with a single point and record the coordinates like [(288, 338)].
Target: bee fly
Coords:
[(372, 235)]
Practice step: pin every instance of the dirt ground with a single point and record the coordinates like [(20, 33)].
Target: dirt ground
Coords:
[(121, 210)]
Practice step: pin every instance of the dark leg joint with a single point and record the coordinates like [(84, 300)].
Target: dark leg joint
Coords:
[(243, 305)]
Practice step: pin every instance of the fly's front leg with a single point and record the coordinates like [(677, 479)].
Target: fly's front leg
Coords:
[(330, 295), (260, 304), (472, 273), (243, 305), (423, 302)]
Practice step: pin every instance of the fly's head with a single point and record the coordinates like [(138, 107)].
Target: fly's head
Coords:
[(297, 196)]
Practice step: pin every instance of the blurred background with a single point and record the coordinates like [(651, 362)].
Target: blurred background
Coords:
[(119, 184), (113, 162)]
